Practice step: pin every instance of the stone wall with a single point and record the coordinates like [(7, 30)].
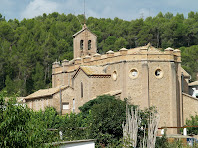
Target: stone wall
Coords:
[(85, 36), (92, 87), (133, 72), (67, 97), (40, 103), (190, 106)]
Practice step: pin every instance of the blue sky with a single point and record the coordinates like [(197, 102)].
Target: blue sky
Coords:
[(124, 9)]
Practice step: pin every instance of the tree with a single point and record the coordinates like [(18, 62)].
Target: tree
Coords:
[(46, 38), (19, 127), (9, 85), (38, 77), (193, 121), (107, 114), (120, 43), (190, 60)]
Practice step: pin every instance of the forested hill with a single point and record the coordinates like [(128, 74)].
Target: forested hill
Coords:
[(29, 47)]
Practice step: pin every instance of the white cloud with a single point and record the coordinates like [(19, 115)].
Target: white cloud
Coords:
[(38, 7), (126, 9)]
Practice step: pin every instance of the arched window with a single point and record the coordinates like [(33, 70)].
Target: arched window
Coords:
[(81, 90), (81, 44), (89, 44)]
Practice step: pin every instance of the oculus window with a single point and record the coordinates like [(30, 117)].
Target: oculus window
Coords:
[(133, 73), (158, 73)]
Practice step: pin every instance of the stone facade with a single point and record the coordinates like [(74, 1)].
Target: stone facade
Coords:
[(189, 106), (84, 43), (145, 75)]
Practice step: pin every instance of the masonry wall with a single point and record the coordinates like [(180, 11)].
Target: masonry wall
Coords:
[(185, 86), (62, 78), (92, 87), (81, 78), (190, 106), (67, 96), (135, 90), (162, 92), (85, 36), (116, 82), (146, 89), (40, 103), (57, 79)]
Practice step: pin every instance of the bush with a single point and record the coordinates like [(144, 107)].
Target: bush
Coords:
[(20, 127)]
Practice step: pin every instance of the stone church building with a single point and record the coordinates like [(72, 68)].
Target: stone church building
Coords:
[(145, 75)]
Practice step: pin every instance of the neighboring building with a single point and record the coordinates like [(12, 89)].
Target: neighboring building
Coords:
[(145, 75), (193, 89), (88, 143)]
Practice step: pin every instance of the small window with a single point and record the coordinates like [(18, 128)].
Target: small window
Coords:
[(81, 90), (133, 73), (73, 105), (114, 75), (89, 44), (81, 44), (159, 73), (65, 105)]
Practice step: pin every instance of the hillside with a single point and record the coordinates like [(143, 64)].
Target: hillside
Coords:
[(29, 47)]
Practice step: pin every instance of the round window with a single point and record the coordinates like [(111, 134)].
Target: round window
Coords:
[(133, 73), (158, 73), (114, 75)]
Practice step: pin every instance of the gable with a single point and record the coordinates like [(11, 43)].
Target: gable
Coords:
[(92, 71), (46, 92), (82, 30), (78, 72)]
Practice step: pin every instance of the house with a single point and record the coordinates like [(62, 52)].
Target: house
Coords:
[(193, 89)]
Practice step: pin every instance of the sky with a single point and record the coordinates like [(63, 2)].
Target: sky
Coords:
[(123, 9)]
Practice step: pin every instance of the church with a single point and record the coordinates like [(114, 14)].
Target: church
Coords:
[(145, 75)]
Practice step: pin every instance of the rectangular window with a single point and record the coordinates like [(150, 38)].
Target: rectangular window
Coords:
[(81, 90), (73, 105), (65, 105)]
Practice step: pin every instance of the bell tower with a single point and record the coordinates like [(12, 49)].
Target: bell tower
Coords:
[(84, 43)]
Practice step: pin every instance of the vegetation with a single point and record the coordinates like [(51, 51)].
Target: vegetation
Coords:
[(22, 127), (193, 121), (100, 119), (29, 47)]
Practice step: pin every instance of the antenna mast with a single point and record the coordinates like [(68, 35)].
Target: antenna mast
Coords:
[(84, 13)]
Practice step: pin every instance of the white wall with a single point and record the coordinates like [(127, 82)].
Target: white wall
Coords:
[(83, 144)]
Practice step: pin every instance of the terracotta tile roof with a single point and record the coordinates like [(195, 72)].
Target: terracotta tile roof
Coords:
[(134, 50), (45, 92), (93, 70), (150, 48), (111, 93), (193, 83)]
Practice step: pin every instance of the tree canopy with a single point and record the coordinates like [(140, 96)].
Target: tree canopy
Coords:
[(29, 47)]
